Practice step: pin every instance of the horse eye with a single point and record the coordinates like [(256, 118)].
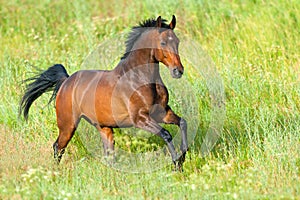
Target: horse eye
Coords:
[(163, 43)]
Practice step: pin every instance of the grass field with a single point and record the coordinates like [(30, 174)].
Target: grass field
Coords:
[(255, 47)]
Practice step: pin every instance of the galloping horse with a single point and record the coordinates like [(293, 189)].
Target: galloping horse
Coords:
[(132, 94)]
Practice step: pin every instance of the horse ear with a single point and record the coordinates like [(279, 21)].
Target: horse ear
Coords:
[(158, 22), (173, 22)]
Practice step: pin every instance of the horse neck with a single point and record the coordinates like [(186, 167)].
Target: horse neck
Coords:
[(142, 63)]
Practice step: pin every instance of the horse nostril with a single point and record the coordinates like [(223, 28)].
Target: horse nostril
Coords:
[(177, 72)]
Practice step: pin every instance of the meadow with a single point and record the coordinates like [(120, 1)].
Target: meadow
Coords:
[(254, 46)]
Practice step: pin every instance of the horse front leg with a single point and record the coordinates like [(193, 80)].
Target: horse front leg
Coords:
[(145, 122), (172, 118)]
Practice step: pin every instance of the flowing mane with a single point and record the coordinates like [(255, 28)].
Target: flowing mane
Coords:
[(137, 31)]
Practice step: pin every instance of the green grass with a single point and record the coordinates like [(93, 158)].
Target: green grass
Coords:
[(255, 47)]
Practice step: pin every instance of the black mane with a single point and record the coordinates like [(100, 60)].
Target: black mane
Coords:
[(136, 32)]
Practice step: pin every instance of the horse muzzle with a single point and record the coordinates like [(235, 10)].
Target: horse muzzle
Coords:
[(176, 73)]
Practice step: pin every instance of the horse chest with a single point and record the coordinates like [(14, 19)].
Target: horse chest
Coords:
[(162, 95)]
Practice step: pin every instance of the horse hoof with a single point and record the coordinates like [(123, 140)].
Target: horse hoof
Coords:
[(178, 162)]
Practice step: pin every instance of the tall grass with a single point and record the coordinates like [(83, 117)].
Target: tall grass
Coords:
[(255, 46)]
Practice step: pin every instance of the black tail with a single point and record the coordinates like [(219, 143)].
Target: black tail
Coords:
[(49, 80)]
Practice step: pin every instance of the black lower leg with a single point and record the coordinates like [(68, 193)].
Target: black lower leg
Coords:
[(183, 129), (57, 153), (167, 137), (184, 143)]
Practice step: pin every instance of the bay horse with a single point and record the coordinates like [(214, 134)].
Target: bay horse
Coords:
[(131, 95)]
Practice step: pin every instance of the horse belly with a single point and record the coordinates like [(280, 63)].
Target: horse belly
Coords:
[(109, 106)]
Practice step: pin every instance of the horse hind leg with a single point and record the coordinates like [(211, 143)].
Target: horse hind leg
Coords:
[(65, 135), (108, 141)]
